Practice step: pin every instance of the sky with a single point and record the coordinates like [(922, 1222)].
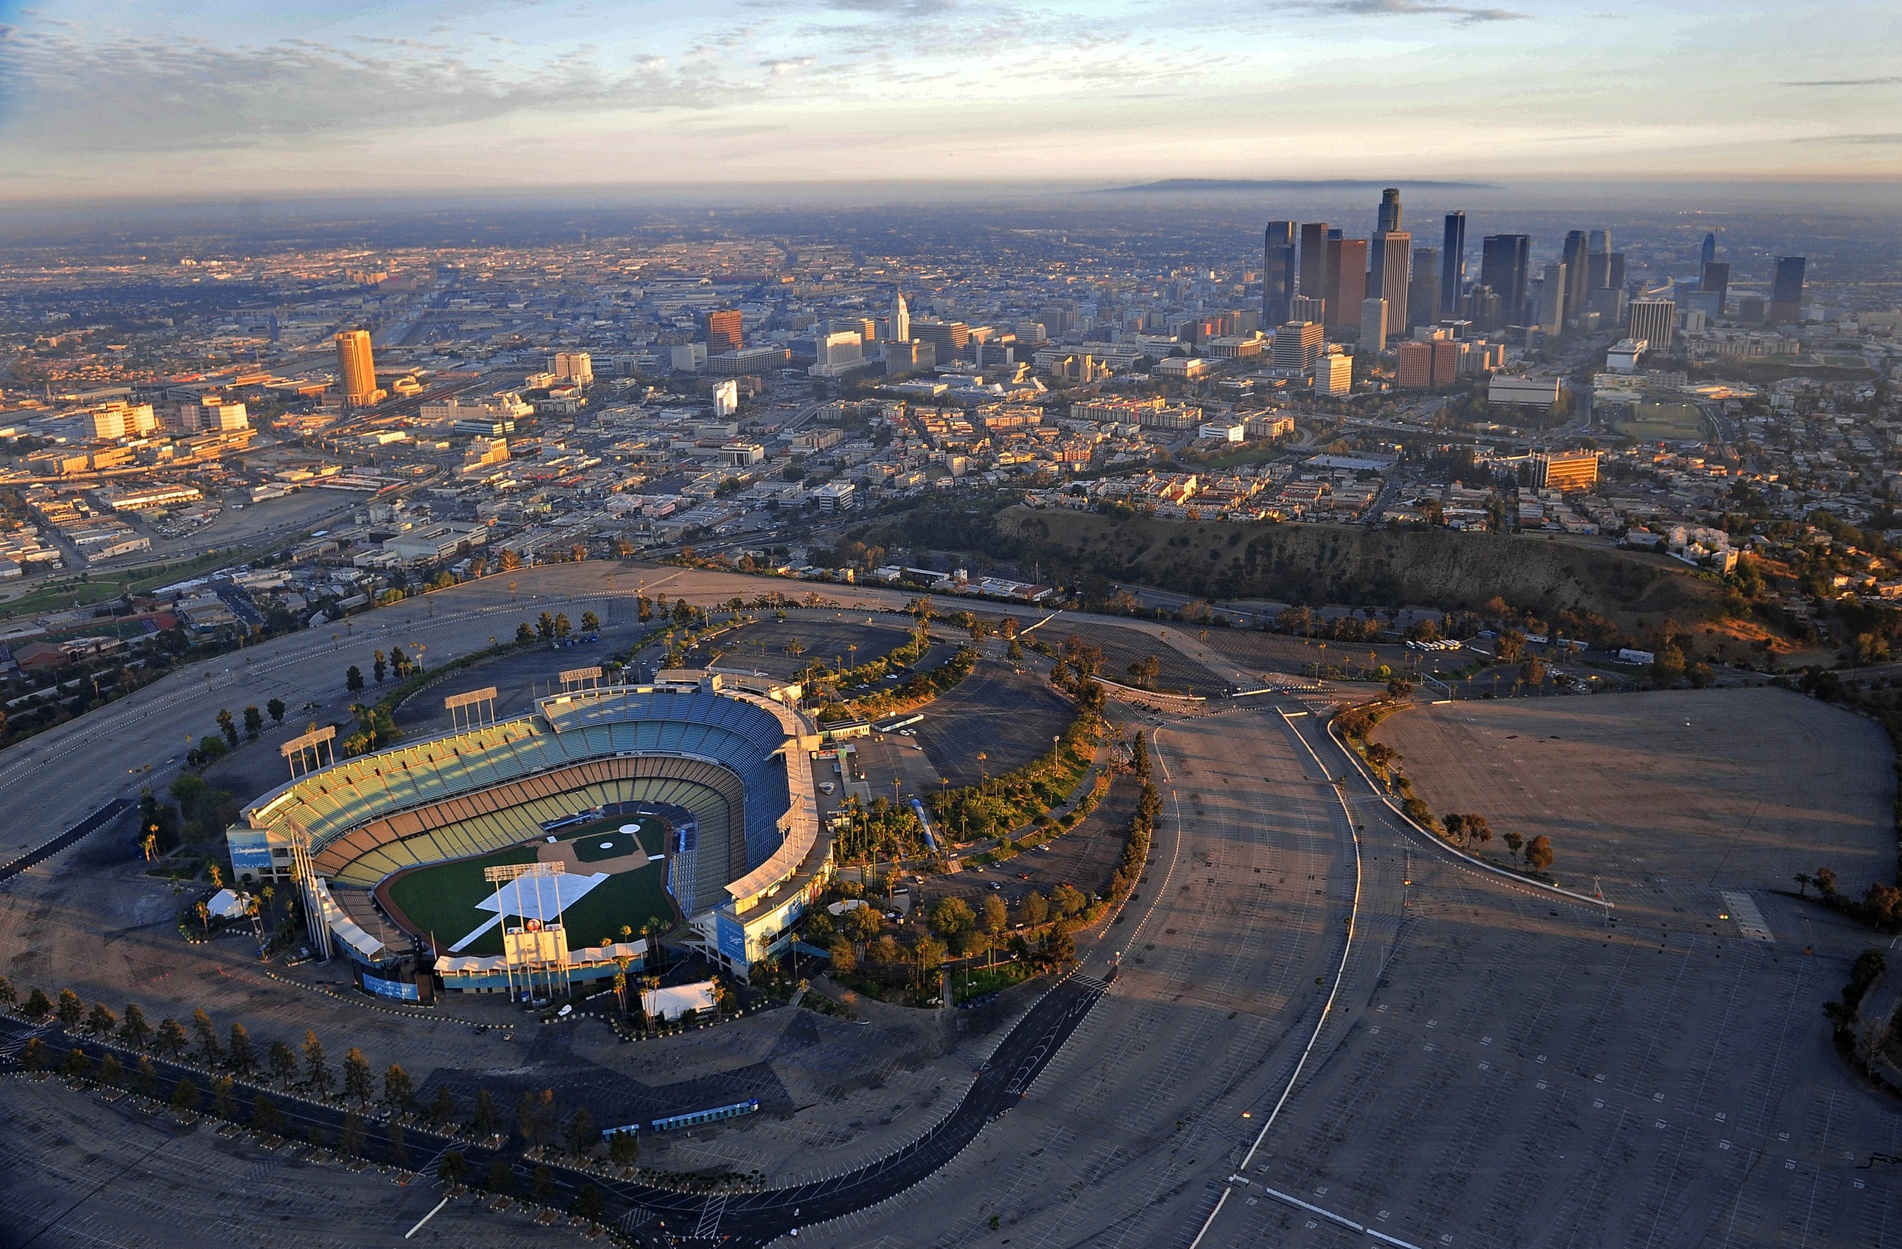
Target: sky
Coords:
[(109, 99)]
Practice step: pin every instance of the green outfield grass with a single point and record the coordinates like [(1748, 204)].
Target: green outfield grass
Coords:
[(440, 900)]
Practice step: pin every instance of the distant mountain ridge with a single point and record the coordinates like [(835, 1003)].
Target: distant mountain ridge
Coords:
[(1291, 184)]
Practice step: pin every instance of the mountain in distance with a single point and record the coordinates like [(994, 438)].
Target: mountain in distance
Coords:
[(1291, 184)]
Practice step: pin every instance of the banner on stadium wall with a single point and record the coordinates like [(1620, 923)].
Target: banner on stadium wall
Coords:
[(249, 854), (397, 990), (732, 935)]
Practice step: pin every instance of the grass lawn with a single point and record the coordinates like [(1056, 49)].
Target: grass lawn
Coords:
[(1664, 422), (441, 899), (64, 593), (967, 983)]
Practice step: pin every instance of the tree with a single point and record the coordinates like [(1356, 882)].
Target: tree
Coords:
[(1035, 909), (443, 1110), (33, 1054), (1825, 881), (224, 1103), (101, 1021), (283, 1062), (133, 1030), (229, 728), (1539, 853), (562, 627), (541, 1185), (590, 622), (253, 723), (379, 667), (111, 1071), (535, 1117), (398, 1091), (1802, 884), (500, 1179), (239, 1053), (38, 1005), (146, 1082), (171, 1039), (276, 709), (487, 1120), (1532, 671), (353, 679), (6, 992), (451, 1168), (951, 916), (582, 1135), (1514, 841), (350, 1135), (1667, 666), (588, 1204), (624, 1149), (358, 1083), (76, 1066), (71, 1009), (208, 1048), (523, 634), (265, 1116), (316, 1070), (185, 1097), (1068, 900), (545, 627)]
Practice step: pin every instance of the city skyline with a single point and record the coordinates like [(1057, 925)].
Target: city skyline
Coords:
[(98, 100)]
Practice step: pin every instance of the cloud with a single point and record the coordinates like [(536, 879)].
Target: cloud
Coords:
[(134, 94), (891, 8), (1465, 15), (1890, 81), (1863, 138), (782, 65)]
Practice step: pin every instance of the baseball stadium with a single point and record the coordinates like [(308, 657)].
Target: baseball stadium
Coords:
[(533, 854)]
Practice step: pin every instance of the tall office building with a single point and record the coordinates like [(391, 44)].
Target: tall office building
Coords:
[(1423, 292), (1278, 265), (1350, 282), (356, 372), (1395, 268), (1373, 325), (1552, 292), (1786, 290), (1597, 262), (1452, 263), (1575, 273), (1314, 259), (1296, 344), (1715, 281), (901, 319), (1502, 267), (724, 331), (1710, 250), (1653, 321), (1388, 218)]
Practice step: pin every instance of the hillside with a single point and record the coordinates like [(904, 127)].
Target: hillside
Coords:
[(1347, 564)]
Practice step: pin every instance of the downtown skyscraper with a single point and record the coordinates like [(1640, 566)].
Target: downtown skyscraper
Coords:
[(1452, 263), (1279, 261)]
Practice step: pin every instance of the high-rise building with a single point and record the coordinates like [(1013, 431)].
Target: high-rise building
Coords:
[(901, 319), (1423, 292), (1575, 274), (1333, 373), (1296, 344), (1597, 262), (1388, 218), (1413, 368), (1653, 321), (1373, 325), (1552, 292), (1394, 269), (724, 331), (356, 372), (1452, 263), (1710, 250), (1715, 282), (573, 366), (1350, 282), (1786, 290), (1314, 282), (1307, 308), (1615, 271), (1278, 270), (1502, 267)]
